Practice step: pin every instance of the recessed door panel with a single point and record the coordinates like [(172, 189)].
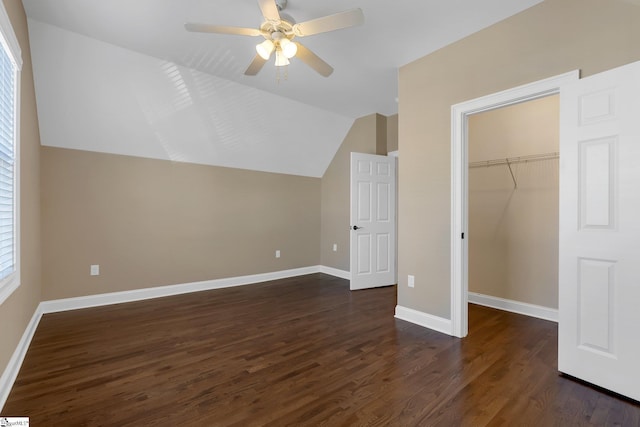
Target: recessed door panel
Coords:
[(383, 210), (383, 253), (383, 169), (595, 304), (364, 201), (364, 167), (364, 254), (597, 183), (597, 107)]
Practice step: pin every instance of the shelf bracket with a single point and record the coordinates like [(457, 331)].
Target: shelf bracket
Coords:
[(513, 177)]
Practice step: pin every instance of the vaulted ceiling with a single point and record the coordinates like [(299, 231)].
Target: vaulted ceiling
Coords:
[(124, 76)]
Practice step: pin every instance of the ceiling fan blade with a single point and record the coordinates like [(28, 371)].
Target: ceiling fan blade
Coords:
[(340, 20), (221, 29), (269, 10), (255, 66), (313, 61)]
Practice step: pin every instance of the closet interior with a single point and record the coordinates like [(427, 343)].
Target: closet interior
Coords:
[(513, 202)]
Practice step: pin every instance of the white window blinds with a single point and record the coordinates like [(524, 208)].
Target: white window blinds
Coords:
[(7, 160), (10, 66)]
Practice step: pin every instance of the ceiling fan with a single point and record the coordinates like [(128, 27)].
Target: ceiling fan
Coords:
[(279, 30)]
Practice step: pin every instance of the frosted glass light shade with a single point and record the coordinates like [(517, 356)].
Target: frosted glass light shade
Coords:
[(265, 49), (281, 59), (288, 47)]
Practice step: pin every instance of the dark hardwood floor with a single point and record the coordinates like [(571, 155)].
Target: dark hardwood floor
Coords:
[(300, 351)]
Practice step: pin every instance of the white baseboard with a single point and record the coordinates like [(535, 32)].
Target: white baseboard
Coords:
[(15, 363), (524, 308), (169, 290), (426, 320), (335, 272)]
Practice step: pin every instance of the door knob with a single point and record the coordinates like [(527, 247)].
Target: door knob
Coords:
[(355, 227)]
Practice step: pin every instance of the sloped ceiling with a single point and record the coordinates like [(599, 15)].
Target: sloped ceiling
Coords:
[(125, 77), (99, 97)]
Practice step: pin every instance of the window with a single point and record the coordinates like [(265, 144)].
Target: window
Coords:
[(10, 65)]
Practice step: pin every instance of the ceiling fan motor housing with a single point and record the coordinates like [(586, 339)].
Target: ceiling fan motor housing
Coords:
[(284, 26)]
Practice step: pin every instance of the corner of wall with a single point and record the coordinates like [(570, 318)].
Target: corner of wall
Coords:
[(381, 135), (18, 310), (368, 134)]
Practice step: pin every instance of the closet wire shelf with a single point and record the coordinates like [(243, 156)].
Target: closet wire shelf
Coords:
[(512, 160)]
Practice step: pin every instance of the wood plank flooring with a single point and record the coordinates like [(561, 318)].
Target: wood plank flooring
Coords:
[(300, 351)]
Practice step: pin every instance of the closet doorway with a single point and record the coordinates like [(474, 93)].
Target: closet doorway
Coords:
[(513, 183), (460, 114)]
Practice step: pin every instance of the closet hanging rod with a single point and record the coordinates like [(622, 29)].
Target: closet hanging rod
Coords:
[(512, 160)]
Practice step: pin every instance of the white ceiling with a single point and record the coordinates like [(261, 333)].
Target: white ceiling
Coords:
[(95, 96), (365, 58)]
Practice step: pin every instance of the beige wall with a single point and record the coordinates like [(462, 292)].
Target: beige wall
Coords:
[(392, 133), (381, 135), (151, 222), (554, 37), (154, 222), (18, 309), (513, 231), (362, 138)]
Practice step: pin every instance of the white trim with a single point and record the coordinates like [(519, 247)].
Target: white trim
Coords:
[(9, 284), (15, 363), (426, 320), (393, 153), (518, 307), (98, 300), (9, 37), (459, 195), (335, 272), (169, 290)]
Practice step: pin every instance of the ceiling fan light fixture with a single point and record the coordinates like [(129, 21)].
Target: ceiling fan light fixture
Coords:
[(265, 49), (279, 29), (289, 48), (281, 59)]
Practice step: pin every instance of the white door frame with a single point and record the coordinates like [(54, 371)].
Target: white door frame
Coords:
[(459, 183)]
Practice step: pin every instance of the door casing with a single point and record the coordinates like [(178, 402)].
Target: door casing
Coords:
[(459, 181)]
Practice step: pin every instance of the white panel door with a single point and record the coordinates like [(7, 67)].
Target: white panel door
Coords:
[(599, 270), (373, 221)]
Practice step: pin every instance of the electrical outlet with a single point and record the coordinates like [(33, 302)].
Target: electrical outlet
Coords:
[(95, 270), (278, 254), (411, 281), (335, 247)]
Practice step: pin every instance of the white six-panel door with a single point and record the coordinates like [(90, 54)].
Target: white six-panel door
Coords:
[(373, 221), (599, 269)]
